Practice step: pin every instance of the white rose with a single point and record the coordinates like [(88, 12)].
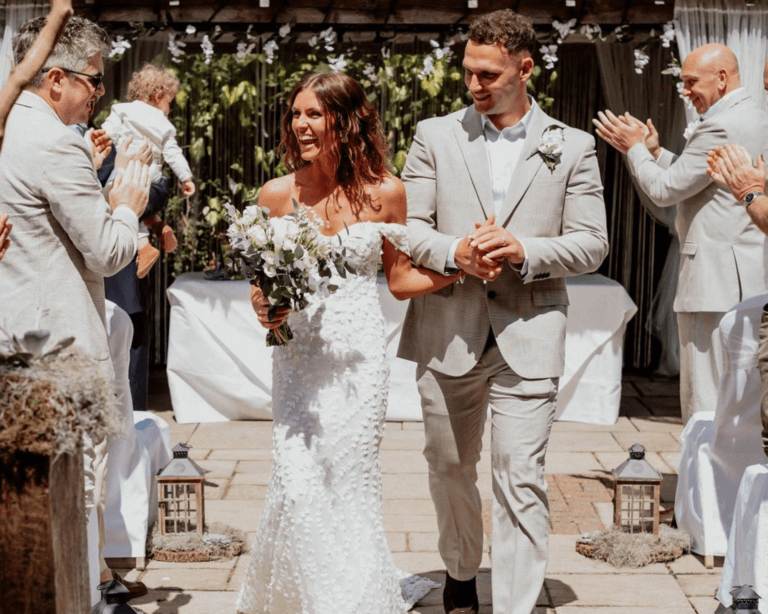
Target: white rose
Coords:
[(551, 148), (289, 244), (257, 235), (281, 228)]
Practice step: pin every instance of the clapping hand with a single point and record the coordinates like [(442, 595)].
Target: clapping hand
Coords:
[(101, 145), (261, 306), (131, 188), (5, 230), (122, 158), (731, 166), (625, 131)]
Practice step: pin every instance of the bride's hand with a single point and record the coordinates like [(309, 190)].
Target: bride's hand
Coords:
[(261, 307)]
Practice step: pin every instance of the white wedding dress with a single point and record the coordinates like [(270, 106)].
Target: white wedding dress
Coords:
[(320, 547)]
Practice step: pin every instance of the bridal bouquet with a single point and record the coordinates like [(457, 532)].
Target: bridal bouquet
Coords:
[(287, 257)]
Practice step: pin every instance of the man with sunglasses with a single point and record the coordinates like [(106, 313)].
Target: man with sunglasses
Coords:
[(67, 237)]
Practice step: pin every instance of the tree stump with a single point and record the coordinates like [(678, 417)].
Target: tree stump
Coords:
[(44, 412)]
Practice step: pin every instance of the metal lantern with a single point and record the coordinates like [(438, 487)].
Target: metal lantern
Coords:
[(745, 600), (113, 599), (180, 494), (636, 493)]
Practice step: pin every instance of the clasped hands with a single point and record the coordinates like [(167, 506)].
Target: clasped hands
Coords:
[(482, 252)]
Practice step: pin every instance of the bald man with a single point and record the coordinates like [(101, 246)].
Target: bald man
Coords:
[(721, 256)]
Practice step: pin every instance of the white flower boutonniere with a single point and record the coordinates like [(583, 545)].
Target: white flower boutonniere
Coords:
[(550, 148)]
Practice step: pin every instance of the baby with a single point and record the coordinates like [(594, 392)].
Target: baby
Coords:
[(151, 92)]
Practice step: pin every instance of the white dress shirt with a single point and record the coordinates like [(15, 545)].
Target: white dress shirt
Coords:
[(503, 148)]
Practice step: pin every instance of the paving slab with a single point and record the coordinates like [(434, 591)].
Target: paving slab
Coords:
[(251, 478), (694, 564), (183, 577), (570, 462), (247, 491), (180, 433), (218, 468), (215, 488), (621, 591), (264, 453), (699, 585), (633, 406), (584, 442), (564, 426), (668, 424), (687, 609), (403, 440), (611, 460), (187, 602), (563, 559), (413, 507), (243, 514), (398, 542), (704, 605), (408, 523), (405, 485), (236, 434), (658, 442)]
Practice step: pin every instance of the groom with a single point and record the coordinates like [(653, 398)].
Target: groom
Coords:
[(514, 198)]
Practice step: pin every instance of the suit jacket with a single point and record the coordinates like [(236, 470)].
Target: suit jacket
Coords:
[(559, 216), (65, 240), (721, 250)]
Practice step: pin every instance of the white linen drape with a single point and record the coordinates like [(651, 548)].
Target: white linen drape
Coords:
[(650, 95), (741, 28), (16, 13)]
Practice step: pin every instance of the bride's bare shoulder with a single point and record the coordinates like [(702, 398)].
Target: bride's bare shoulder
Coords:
[(390, 194), (277, 194)]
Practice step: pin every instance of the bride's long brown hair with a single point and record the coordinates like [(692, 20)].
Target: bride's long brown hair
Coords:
[(359, 147)]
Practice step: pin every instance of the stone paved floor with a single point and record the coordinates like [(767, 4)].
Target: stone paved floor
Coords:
[(580, 457)]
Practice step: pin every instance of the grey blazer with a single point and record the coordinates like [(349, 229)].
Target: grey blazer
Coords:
[(558, 215), (721, 250), (65, 240)]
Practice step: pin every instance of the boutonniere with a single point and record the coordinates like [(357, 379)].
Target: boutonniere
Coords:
[(550, 148)]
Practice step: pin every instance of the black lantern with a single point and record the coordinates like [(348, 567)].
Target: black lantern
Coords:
[(745, 600), (113, 599), (180, 494), (636, 493)]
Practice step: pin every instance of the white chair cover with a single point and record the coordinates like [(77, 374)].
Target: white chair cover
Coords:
[(746, 561), (718, 446), (134, 459)]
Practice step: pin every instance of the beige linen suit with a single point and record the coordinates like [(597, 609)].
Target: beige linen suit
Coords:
[(721, 250), (65, 241), (499, 343)]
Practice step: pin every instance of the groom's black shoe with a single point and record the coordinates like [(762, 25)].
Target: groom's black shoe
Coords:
[(460, 597)]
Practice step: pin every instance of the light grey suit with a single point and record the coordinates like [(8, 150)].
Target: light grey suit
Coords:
[(722, 255), (65, 241), (499, 343)]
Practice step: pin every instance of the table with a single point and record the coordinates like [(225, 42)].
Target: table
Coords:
[(219, 368)]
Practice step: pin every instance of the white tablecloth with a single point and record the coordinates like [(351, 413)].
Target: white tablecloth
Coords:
[(219, 368)]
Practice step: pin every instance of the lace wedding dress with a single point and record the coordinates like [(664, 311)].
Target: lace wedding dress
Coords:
[(320, 547)]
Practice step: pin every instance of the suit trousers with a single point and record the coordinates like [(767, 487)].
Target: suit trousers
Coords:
[(762, 364), (521, 412), (95, 473), (701, 361)]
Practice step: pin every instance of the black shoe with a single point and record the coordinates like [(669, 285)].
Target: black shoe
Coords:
[(460, 597)]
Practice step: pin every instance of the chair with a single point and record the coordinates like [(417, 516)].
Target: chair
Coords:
[(718, 446), (746, 561)]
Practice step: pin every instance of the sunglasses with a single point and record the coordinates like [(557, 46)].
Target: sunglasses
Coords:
[(94, 79)]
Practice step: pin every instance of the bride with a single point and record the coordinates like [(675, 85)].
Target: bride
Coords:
[(320, 547)]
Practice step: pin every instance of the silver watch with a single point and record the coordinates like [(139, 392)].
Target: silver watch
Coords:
[(750, 198)]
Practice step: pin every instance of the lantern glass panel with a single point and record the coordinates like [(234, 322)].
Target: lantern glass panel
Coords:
[(637, 508), (181, 506)]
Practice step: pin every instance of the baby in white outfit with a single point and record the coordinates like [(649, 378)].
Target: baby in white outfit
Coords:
[(151, 92)]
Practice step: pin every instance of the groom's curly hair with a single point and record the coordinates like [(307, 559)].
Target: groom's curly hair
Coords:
[(504, 27), (359, 146)]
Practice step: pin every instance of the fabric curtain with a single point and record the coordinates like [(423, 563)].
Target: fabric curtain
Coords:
[(741, 28), (16, 13), (647, 95)]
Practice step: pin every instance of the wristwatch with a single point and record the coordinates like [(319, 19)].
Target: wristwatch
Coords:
[(749, 198)]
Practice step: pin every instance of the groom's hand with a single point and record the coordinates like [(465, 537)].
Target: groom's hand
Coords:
[(497, 243), (473, 261)]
